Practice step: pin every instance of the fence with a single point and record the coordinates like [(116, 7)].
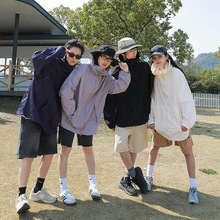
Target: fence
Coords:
[(206, 100), (22, 80), (10, 82)]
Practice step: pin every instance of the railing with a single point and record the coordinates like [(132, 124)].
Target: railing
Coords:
[(14, 81), (203, 100)]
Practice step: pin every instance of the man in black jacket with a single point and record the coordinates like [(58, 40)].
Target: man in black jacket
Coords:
[(127, 114)]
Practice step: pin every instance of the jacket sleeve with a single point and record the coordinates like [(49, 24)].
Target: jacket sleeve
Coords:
[(187, 104), (151, 119), (121, 84), (68, 92), (42, 59)]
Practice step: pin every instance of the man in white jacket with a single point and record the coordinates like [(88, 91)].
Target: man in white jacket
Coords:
[(172, 114)]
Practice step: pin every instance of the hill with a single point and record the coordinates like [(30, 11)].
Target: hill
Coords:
[(207, 61)]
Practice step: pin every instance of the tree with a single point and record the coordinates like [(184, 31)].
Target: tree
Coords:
[(218, 55), (61, 14), (209, 80), (146, 21), (191, 71)]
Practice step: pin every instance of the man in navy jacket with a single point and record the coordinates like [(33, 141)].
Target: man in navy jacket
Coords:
[(40, 111)]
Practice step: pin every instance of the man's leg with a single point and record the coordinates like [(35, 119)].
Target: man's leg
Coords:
[(38, 193), (24, 171), (128, 159), (90, 163)]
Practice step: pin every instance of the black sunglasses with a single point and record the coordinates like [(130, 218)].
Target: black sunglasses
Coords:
[(110, 60), (75, 55)]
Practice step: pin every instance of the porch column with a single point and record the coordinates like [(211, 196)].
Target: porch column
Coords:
[(15, 44)]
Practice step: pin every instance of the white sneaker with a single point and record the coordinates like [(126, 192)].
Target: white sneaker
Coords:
[(67, 197), (93, 190), (42, 195), (21, 203)]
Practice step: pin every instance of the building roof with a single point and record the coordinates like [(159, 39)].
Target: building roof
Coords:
[(36, 26)]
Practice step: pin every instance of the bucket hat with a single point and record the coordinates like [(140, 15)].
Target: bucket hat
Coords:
[(105, 49), (158, 50), (126, 44)]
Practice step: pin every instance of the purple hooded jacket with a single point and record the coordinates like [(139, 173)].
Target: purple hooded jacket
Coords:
[(83, 97), (41, 101)]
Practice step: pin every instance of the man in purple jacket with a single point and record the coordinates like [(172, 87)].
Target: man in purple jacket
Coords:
[(40, 111)]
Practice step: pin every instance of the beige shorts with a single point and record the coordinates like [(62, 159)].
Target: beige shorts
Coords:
[(133, 139), (185, 145)]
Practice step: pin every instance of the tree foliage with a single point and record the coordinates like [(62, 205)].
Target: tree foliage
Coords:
[(209, 81), (61, 14), (202, 80), (146, 21), (191, 71), (217, 55)]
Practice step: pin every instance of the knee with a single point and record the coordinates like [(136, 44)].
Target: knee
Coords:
[(27, 161), (65, 151), (88, 150), (154, 148)]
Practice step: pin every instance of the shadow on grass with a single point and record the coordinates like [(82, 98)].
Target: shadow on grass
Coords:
[(5, 121), (208, 129), (206, 111), (9, 104), (161, 203)]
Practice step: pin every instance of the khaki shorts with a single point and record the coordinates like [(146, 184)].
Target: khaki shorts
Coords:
[(185, 145), (133, 139)]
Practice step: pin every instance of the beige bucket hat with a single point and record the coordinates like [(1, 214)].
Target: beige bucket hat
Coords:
[(126, 44)]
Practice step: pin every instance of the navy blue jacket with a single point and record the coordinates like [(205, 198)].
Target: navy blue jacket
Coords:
[(41, 101)]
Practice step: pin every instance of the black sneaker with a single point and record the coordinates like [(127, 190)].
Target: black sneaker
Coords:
[(139, 180), (126, 185)]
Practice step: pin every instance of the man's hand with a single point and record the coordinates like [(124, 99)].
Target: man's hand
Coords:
[(183, 128), (151, 126), (124, 66)]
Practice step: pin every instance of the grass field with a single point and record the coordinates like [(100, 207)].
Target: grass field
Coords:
[(168, 200)]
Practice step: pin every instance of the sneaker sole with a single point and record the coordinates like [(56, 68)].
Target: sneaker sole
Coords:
[(130, 194), (143, 181), (23, 209), (45, 201), (193, 203), (66, 203), (95, 197), (70, 204)]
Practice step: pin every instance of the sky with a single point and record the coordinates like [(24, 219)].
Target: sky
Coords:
[(200, 19)]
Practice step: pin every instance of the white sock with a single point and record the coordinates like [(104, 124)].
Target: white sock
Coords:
[(149, 170), (91, 179), (63, 184), (192, 182)]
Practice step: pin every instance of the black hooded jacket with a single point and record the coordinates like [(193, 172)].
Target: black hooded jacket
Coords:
[(132, 107)]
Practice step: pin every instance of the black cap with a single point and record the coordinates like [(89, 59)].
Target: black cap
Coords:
[(158, 50), (105, 49)]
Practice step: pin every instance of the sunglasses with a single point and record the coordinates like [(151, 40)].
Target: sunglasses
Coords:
[(110, 60), (75, 55)]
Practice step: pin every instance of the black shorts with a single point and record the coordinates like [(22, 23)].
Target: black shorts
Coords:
[(65, 138), (33, 141)]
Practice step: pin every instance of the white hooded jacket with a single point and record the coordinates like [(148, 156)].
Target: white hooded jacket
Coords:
[(172, 103)]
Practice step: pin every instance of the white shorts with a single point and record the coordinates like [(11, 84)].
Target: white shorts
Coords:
[(133, 139)]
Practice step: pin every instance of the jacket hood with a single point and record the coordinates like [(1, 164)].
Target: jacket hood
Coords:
[(122, 59), (163, 72), (97, 70), (66, 64)]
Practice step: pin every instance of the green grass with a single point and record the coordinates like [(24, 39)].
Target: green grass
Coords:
[(208, 171)]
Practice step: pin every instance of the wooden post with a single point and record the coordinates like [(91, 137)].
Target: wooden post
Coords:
[(10, 74)]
